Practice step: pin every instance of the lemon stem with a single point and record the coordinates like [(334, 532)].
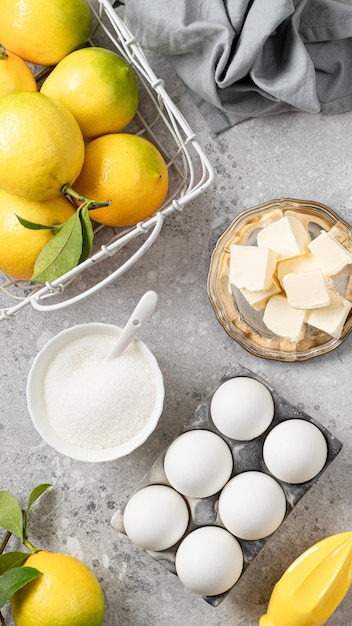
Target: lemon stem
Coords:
[(5, 541), (91, 204), (3, 545), (3, 53), (30, 546), (25, 542)]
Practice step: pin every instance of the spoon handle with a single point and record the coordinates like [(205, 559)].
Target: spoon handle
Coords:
[(139, 317)]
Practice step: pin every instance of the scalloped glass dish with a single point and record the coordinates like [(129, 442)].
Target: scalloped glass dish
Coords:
[(241, 321)]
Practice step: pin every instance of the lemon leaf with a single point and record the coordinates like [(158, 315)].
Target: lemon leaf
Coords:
[(62, 253), (35, 226), (34, 495), (87, 232), (15, 578), (11, 517), (12, 559)]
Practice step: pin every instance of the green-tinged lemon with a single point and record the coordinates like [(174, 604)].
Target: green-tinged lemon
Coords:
[(41, 146), (130, 171), (98, 87), (44, 31)]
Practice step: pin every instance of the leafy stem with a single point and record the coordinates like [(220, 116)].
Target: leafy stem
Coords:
[(71, 243), (5, 541), (91, 204), (27, 544), (3, 545), (15, 522)]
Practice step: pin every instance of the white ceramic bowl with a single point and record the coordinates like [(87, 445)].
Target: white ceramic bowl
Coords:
[(36, 405)]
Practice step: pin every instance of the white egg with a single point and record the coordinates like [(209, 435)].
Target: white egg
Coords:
[(295, 451), (209, 561), (156, 517), (252, 505), (242, 408), (198, 463)]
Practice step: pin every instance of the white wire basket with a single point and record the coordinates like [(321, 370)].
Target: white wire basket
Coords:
[(190, 174)]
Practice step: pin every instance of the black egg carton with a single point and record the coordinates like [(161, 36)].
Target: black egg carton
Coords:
[(246, 456)]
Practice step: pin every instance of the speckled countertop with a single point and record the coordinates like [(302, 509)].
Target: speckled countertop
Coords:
[(292, 155)]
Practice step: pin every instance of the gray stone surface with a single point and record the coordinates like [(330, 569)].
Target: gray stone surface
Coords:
[(292, 155)]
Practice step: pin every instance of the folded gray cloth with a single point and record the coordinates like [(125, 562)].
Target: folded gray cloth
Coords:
[(251, 58)]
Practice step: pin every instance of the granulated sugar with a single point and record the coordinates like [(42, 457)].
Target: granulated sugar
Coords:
[(96, 403)]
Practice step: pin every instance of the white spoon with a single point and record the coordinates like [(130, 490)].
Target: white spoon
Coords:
[(139, 317)]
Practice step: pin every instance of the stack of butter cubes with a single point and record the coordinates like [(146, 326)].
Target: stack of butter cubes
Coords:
[(290, 277)]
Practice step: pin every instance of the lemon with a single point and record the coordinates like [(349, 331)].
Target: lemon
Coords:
[(20, 246), (15, 75), (98, 87), (130, 171), (41, 145), (66, 594), (44, 32)]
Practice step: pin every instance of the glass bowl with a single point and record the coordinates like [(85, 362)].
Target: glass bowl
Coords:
[(36, 405), (241, 321)]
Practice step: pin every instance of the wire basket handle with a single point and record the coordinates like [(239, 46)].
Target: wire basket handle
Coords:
[(58, 286), (39, 296)]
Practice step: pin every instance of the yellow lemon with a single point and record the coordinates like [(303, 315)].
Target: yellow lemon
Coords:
[(41, 145), (15, 75), (66, 594), (44, 32), (98, 87), (128, 170), (20, 246)]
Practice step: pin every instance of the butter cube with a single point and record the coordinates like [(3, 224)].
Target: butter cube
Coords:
[(330, 253), (331, 319), (300, 263), (287, 236), (251, 268), (258, 299), (284, 320), (306, 290)]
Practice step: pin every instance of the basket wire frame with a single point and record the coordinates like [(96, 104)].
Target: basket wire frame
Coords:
[(162, 123)]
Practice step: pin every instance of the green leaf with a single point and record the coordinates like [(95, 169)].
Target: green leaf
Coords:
[(11, 514), (35, 226), (15, 578), (34, 495), (12, 559), (87, 232), (61, 253)]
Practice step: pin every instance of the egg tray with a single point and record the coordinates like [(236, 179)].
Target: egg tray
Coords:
[(247, 456)]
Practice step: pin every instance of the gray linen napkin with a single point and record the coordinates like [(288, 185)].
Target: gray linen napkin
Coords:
[(251, 58)]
